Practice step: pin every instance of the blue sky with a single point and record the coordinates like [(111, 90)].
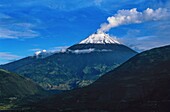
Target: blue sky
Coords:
[(30, 25)]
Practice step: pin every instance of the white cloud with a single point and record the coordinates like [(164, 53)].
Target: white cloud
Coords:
[(98, 2), (35, 49), (139, 41), (10, 28), (88, 51), (82, 51), (146, 45), (25, 25), (4, 16), (12, 34), (58, 48), (8, 56)]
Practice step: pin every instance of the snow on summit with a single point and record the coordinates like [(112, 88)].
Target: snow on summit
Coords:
[(99, 38)]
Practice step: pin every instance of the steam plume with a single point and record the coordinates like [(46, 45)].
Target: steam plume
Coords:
[(132, 16)]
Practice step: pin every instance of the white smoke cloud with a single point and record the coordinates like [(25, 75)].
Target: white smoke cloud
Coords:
[(132, 16), (88, 51), (6, 57), (41, 52)]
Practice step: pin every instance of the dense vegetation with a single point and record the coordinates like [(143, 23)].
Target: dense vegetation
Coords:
[(68, 70), (14, 87), (142, 84)]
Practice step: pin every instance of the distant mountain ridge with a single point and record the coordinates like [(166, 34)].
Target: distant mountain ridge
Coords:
[(142, 84)]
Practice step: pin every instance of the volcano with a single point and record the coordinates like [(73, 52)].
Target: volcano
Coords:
[(78, 66), (101, 42)]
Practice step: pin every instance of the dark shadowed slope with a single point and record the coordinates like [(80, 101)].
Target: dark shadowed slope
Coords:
[(14, 87), (142, 84)]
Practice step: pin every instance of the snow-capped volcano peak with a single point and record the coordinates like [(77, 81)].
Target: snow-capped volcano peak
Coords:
[(99, 38)]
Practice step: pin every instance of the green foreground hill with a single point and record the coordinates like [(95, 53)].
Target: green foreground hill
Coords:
[(14, 87)]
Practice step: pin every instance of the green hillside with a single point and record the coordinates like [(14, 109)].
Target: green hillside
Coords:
[(142, 84), (68, 70), (14, 87)]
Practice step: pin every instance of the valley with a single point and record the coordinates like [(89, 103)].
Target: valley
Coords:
[(84, 56)]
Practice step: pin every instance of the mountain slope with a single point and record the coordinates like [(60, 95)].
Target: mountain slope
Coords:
[(19, 63), (80, 65), (14, 87), (69, 70), (101, 47), (142, 84)]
